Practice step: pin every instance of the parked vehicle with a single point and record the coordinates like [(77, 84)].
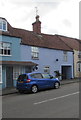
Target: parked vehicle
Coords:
[(36, 81)]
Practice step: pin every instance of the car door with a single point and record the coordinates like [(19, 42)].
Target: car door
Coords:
[(39, 80), (49, 81)]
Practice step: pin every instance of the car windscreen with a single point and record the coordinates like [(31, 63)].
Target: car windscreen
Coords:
[(22, 77)]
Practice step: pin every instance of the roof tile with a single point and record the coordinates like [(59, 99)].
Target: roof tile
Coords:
[(40, 40)]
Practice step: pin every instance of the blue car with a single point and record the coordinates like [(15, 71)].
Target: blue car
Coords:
[(36, 81)]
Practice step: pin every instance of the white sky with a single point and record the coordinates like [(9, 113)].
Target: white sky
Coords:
[(57, 16)]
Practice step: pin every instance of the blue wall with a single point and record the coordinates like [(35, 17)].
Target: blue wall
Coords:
[(15, 55), (47, 57), (15, 48)]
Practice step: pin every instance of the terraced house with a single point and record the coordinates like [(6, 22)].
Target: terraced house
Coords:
[(26, 51), (74, 44)]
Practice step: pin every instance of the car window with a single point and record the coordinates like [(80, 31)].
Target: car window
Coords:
[(32, 76), (46, 76), (37, 75), (22, 77)]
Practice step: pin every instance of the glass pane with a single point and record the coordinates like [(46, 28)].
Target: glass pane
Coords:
[(2, 51), (46, 76), (32, 49), (36, 49), (38, 76), (8, 52), (1, 25), (4, 45), (5, 52), (22, 77), (4, 25), (47, 70)]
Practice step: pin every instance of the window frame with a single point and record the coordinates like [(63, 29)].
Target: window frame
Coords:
[(35, 53), (5, 51), (1, 74), (79, 54), (79, 67), (46, 76), (47, 69), (65, 56), (2, 23), (34, 76)]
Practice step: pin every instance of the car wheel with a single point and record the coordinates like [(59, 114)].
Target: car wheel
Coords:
[(34, 89), (56, 85)]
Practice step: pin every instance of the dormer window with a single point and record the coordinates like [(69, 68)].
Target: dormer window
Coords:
[(3, 25)]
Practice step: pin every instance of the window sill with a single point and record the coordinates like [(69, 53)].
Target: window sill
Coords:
[(3, 30), (35, 58), (5, 55)]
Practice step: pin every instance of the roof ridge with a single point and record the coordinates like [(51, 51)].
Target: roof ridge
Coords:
[(67, 37), (21, 29), (65, 43)]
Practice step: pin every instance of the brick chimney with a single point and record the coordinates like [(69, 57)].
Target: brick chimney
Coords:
[(37, 25)]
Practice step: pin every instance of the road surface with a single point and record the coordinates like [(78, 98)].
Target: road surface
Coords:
[(54, 103)]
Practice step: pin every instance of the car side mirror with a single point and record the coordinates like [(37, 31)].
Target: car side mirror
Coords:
[(51, 76)]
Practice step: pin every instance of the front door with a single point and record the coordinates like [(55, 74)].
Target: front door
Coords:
[(9, 76), (66, 72)]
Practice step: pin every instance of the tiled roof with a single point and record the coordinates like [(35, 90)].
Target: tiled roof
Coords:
[(40, 40), (71, 42)]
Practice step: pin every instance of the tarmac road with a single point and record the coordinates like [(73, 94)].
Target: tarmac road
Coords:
[(54, 103)]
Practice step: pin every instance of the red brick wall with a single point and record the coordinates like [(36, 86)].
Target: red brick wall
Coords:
[(37, 27)]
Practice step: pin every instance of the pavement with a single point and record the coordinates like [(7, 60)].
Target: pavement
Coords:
[(13, 90)]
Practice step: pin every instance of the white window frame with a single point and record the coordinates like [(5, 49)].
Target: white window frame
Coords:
[(2, 48), (47, 69), (79, 67), (0, 73), (65, 56), (2, 22), (35, 52), (79, 54)]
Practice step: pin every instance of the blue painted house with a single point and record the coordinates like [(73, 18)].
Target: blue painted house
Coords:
[(11, 64), (26, 51)]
